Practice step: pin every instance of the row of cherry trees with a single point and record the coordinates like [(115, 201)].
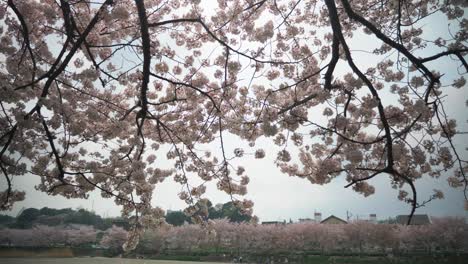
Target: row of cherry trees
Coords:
[(221, 236), (47, 236)]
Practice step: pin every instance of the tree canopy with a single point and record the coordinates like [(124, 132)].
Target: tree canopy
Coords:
[(30, 217), (226, 211), (94, 95)]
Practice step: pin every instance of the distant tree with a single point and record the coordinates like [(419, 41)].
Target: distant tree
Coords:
[(233, 213), (52, 217), (205, 210), (215, 212), (390, 220), (52, 211), (177, 218), (53, 220), (83, 217), (6, 220), (27, 218)]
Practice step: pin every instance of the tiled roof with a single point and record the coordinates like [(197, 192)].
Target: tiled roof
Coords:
[(422, 219)]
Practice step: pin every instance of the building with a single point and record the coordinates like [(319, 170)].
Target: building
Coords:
[(422, 219), (333, 220), (318, 217), (305, 220)]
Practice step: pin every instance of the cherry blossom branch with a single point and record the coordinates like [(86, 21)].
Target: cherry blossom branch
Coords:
[(335, 23), (4, 204), (457, 52), (145, 39), (217, 39), (73, 49), (333, 61), (25, 32), (52, 74), (302, 101), (432, 78), (173, 82), (105, 190), (449, 138), (50, 138), (414, 203), (285, 18), (225, 163), (67, 19), (181, 160), (354, 181), (10, 134), (297, 103)]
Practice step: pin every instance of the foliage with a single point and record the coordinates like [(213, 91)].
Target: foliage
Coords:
[(6, 220), (231, 212), (83, 217), (177, 218), (53, 217), (27, 218), (53, 212), (224, 211)]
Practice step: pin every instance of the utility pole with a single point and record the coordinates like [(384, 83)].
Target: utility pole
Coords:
[(348, 215)]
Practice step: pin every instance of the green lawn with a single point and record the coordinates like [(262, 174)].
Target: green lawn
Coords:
[(308, 260), (91, 261), (383, 260)]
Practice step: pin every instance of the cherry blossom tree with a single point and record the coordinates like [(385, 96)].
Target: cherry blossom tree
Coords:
[(452, 233), (114, 238), (186, 237), (94, 93), (46, 236), (153, 241), (220, 231), (79, 235), (383, 238), (358, 235), (414, 238)]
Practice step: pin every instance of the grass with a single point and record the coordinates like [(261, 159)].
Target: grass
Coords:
[(89, 261), (383, 260), (38, 252), (187, 260)]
